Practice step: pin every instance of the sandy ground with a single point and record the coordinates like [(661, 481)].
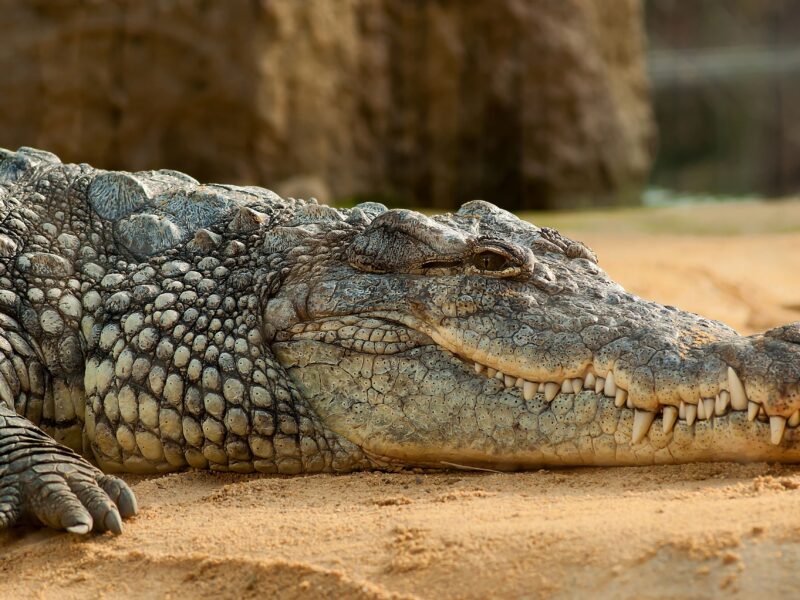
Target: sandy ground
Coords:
[(692, 531)]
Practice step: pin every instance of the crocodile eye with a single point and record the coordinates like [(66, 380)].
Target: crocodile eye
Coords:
[(490, 261)]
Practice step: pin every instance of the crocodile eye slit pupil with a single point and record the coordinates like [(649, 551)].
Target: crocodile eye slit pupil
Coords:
[(490, 261)]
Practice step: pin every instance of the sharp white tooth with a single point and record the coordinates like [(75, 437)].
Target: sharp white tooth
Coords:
[(762, 414), (670, 415), (529, 390), (520, 382), (621, 398), (599, 384), (541, 387), (701, 410), (642, 419), (736, 389), (610, 388), (490, 372), (577, 385), (709, 406), (691, 413), (500, 375), (629, 402), (777, 425), (479, 368), (588, 381), (752, 410), (551, 390), (794, 420), (682, 410), (721, 403), (566, 386), (509, 381)]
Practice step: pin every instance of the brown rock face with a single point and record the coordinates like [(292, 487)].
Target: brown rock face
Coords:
[(529, 104)]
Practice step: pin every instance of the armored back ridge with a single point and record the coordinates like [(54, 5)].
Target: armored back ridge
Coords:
[(151, 323)]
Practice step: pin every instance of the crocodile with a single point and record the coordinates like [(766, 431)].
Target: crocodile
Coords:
[(151, 323)]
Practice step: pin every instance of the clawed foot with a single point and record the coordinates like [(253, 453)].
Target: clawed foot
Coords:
[(44, 482)]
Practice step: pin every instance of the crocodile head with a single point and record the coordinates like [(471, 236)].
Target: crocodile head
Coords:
[(479, 340)]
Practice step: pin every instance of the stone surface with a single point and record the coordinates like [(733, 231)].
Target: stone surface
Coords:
[(527, 104)]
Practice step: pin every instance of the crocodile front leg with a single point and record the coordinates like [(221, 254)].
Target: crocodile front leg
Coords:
[(45, 482), (42, 480)]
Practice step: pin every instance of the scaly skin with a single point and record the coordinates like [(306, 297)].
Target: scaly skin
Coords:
[(153, 323)]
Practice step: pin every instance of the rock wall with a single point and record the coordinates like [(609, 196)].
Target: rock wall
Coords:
[(529, 104)]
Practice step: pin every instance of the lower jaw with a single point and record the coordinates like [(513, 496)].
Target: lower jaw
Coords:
[(604, 441)]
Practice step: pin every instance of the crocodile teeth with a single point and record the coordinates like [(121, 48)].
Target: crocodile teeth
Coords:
[(682, 410), (500, 376), (736, 389), (577, 385), (529, 390), (642, 420), (541, 387), (701, 410), (479, 368), (490, 372), (589, 381), (794, 420), (709, 405), (520, 382), (610, 388), (721, 403), (551, 390), (670, 416), (708, 408), (620, 398), (509, 381), (752, 410), (777, 425), (691, 413), (566, 386), (599, 384)]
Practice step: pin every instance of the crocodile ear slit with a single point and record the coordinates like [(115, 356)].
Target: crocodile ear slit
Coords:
[(442, 263)]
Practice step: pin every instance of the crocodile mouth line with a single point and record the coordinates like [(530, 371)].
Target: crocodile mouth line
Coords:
[(706, 409), (387, 333)]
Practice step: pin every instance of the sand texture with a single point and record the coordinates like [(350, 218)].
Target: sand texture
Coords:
[(691, 531)]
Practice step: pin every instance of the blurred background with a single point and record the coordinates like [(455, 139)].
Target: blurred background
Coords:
[(531, 104)]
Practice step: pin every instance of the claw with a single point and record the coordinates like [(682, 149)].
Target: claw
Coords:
[(113, 522), (120, 494), (127, 503), (80, 528)]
